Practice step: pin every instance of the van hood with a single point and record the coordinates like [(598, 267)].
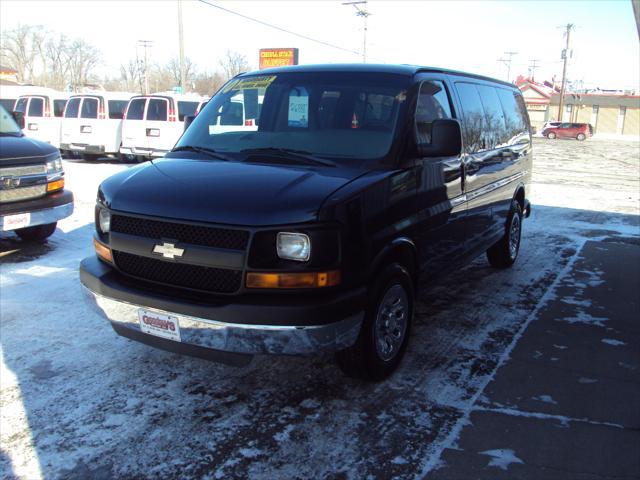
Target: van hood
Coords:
[(18, 150), (225, 192)]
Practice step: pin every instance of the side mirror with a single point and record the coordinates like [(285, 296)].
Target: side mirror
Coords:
[(188, 120), (446, 138), (19, 118)]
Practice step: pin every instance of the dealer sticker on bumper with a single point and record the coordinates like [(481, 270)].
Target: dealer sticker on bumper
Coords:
[(158, 324), (12, 222)]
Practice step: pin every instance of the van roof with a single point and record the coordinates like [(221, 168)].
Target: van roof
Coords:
[(404, 69), (106, 94)]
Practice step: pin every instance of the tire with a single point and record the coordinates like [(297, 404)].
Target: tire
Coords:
[(551, 136), (126, 158), (504, 252), (390, 299), (37, 233), (581, 137), (90, 157)]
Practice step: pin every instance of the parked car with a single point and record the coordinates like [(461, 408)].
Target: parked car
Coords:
[(579, 131), (43, 114), (153, 123), (32, 193), (92, 124), (311, 232)]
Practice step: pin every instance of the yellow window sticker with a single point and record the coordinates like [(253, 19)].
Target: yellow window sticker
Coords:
[(249, 83)]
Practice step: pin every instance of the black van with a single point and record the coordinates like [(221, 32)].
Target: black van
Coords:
[(32, 194), (307, 225)]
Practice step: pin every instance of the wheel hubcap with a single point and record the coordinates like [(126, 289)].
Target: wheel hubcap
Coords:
[(514, 236), (391, 322)]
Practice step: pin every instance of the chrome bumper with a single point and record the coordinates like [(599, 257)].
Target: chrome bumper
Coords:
[(42, 217), (239, 338)]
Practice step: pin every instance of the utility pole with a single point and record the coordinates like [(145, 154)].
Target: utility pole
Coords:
[(146, 44), (532, 68), (183, 74), (565, 57), (362, 12), (507, 62)]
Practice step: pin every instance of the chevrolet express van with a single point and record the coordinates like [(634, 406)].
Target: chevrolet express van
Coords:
[(43, 114), (92, 124), (153, 123), (312, 232)]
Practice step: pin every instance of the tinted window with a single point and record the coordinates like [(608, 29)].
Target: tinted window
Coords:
[(432, 104), (157, 109), (374, 111), (494, 127), (473, 117), (73, 105), (232, 114), (58, 107), (21, 105), (8, 103), (135, 111), (116, 108), (515, 116), (89, 108), (186, 108), (36, 107)]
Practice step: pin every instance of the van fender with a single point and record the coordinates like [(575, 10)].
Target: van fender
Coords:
[(519, 195), (402, 250)]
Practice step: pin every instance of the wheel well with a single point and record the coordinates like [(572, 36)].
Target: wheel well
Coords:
[(520, 198), (404, 253)]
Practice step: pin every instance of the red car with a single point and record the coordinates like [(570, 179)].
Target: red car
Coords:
[(579, 131)]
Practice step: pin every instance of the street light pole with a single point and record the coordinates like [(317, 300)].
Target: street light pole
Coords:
[(183, 75), (146, 44), (362, 12), (565, 55)]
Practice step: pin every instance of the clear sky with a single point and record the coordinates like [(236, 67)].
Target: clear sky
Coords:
[(466, 35)]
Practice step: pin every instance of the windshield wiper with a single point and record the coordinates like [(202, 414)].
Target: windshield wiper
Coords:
[(12, 134), (203, 150), (300, 155)]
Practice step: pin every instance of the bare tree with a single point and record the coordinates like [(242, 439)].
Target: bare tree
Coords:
[(208, 83), (20, 49), (132, 75), (82, 58), (233, 63), (189, 67), (57, 68)]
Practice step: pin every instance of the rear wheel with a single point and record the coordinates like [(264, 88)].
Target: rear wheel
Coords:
[(90, 157), (385, 329), (551, 135), (581, 136), (37, 233), (126, 158), (505, 251)]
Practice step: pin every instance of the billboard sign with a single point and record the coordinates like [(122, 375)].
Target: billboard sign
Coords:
[(278, 57)]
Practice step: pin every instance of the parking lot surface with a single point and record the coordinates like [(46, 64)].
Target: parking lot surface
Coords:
[(532, 372)]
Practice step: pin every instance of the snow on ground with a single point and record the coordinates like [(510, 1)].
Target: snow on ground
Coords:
[(77, 401)]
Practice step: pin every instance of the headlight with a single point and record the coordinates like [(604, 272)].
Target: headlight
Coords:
[(54, 166), (104, 220), (294, 246)]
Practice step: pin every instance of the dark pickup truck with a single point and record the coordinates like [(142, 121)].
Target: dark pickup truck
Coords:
[(301, 208), (32, 194)]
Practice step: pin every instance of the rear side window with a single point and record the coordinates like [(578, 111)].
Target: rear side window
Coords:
[(73, 105), (515, 118), (473, 117), (58, 107), (494, 127), (21, 105), (36, 107), (89, 108), (136, 109), (433, 104), (186, 108), (157, 109), (116, 108), (232, 114)]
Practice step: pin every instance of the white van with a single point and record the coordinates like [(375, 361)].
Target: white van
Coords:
[(153, 123), (43, 114), (232, 116), (92, 123)]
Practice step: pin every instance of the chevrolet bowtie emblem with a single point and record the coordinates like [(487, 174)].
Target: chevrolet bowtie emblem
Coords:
[(168, 250)]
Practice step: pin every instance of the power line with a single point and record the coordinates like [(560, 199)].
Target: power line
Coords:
[(279, 28), (361, 12), (507, 62)]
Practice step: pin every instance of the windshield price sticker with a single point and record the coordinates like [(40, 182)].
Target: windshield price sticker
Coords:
[(298, 108), (249, 83)]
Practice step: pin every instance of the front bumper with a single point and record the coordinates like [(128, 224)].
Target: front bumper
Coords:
[(83, 148), (231, 331), (143, 152), (37, 217)]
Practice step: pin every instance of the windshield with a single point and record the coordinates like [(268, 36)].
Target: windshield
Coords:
[(8, 126), (327, 114)]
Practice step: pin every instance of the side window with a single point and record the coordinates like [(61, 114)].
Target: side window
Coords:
[(58, 107), (186, 108), (232, 114), (89, 108), (116, 108), (136, 109), (36, 107), (515, 114), (327, 107), (375, 111), (433, 104), (473, 117), (21, 105), (157, 109), (73, 106), (494, 126)]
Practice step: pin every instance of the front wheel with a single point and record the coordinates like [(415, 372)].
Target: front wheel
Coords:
[(551, 135), (505, 251), (581, 136), (37, 233), (385, 330)]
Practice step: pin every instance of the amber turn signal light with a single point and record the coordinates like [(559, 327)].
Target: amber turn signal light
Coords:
[(293, 280), (57, 185), (103, 251)]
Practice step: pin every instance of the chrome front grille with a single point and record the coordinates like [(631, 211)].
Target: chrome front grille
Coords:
[(24, 193), (23, 171)]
